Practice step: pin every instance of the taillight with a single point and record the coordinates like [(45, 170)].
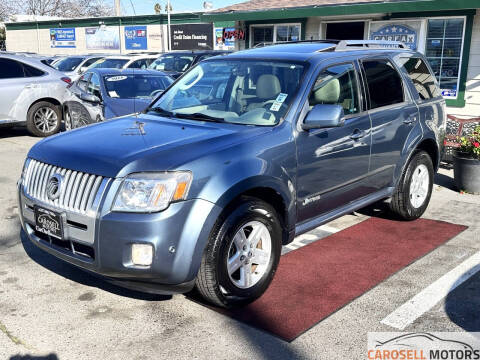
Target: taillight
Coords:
[(67, 80)]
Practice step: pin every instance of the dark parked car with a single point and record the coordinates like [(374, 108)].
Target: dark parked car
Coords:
[(178, 62), (102, 94), (204, 190)]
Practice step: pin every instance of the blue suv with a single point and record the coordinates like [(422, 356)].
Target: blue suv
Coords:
[(235, 159)]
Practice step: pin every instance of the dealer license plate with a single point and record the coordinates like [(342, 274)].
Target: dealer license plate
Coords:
[(48, 222)]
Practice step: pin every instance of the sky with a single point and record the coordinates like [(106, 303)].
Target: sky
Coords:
[(143, 7)]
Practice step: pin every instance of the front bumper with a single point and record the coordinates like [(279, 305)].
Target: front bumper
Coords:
[(178, 236)]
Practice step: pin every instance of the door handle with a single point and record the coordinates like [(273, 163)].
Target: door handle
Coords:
[(357, 134), (411, 119)]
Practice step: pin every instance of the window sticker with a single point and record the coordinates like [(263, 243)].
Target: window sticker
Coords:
[(113, 94), (277, 104), (116, 78)]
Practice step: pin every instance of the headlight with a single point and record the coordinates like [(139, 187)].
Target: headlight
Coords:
[(151, 192)]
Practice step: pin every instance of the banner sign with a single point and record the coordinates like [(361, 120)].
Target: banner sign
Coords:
[(192, 37), (395, 32), (62, 38), (102, 38), (136, 37)]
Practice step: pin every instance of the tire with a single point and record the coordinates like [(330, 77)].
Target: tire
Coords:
[(411, 197), (213, 281), (37, 125)]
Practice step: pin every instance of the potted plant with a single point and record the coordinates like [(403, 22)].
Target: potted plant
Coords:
[(466, 163)]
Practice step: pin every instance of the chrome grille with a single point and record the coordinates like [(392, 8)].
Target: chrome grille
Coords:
[(78, 190)]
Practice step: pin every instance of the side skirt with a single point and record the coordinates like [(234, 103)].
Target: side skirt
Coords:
[(346, 209)]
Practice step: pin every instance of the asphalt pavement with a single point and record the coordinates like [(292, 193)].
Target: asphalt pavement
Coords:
[(52, 310)]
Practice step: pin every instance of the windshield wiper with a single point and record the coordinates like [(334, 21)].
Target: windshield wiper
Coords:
[(161, 111), (199, 116)]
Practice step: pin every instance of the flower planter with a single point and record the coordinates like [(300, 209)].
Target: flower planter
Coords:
[(466, 172)]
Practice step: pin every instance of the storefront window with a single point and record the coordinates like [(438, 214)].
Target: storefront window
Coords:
[(269, 34), (262, 35), (443, 50), (288, 33)]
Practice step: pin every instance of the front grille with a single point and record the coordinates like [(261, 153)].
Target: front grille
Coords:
[(84, 251), (77, 192)]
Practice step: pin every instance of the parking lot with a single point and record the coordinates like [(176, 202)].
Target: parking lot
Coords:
[(52, 310)]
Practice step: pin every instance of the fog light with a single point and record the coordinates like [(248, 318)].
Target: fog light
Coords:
[(142, 254)]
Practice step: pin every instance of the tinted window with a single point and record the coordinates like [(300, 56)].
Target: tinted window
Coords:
[(172, 62), (31, 71), (10, 69), (68, 63), (94, 86), (384, 83), (109, 64), (140, 64), (90, 62), (135, 86), (336, 85), (421, 77)]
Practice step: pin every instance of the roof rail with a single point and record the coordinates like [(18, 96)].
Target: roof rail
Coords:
[(345, 45), (263, 44)]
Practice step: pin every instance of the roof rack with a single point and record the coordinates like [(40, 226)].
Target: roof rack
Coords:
[(345, 45), (263, 44)]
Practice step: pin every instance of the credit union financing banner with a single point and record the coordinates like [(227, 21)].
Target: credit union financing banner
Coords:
[(136, 37), (102, 38), (62, 38), (192, 37)]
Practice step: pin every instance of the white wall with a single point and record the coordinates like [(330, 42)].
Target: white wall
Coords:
[(472, 94), (39, 41)]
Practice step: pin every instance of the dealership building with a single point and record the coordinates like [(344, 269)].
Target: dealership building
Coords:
[(446, 31)]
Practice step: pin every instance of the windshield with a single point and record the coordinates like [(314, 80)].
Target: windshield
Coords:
[(238, 91), (68, 64), (109, 64), (172, 62), (135, 86)]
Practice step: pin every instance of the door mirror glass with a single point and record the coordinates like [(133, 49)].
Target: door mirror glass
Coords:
[(324, 116)]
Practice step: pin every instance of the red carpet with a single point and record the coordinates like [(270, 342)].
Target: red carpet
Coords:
[(316, 280)]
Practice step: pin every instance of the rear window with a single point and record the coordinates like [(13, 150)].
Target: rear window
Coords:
[(31, 71), (68, 63), (421, 77), (135, 86), (385, 85)]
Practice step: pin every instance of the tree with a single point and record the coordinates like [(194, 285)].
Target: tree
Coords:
[(59, 8)]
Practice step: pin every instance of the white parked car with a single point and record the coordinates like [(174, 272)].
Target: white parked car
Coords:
[(74, 66), (124, 62), (32, 94)]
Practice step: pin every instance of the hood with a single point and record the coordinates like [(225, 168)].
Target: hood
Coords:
[(120, 146), (122, 107)]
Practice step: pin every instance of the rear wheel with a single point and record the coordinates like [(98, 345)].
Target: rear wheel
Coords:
[(242, 255), (413, 193), (43, 119)]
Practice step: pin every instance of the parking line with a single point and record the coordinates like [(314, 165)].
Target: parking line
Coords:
[(431, 295)]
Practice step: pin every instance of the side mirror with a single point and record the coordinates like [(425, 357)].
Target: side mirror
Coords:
[(323, 116), (90, 98)]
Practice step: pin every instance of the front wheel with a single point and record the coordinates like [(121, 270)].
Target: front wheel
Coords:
[(242, 254), (414, 190)]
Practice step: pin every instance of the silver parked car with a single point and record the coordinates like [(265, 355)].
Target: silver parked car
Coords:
[(32, 94)]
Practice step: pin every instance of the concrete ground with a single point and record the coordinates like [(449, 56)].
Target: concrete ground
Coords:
[(51, 310)]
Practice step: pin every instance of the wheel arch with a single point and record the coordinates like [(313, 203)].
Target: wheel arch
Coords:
[(50, 100), (431, 148)]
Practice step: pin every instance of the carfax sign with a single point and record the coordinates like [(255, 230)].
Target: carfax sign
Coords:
[(136, 37), (396, 32), (62, 38)]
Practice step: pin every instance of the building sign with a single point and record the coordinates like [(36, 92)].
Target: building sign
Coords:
[(396, 32), (232, 34), (62, 38), (136, 37), (102, 38), (192, 37)]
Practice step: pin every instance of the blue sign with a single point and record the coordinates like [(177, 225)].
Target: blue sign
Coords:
[(62, 38), (395, 32), (136, 37)]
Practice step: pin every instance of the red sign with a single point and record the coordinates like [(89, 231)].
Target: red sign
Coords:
[(237, 34)]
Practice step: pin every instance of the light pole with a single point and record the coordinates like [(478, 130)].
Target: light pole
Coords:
[(168, 25), (117, 8)]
